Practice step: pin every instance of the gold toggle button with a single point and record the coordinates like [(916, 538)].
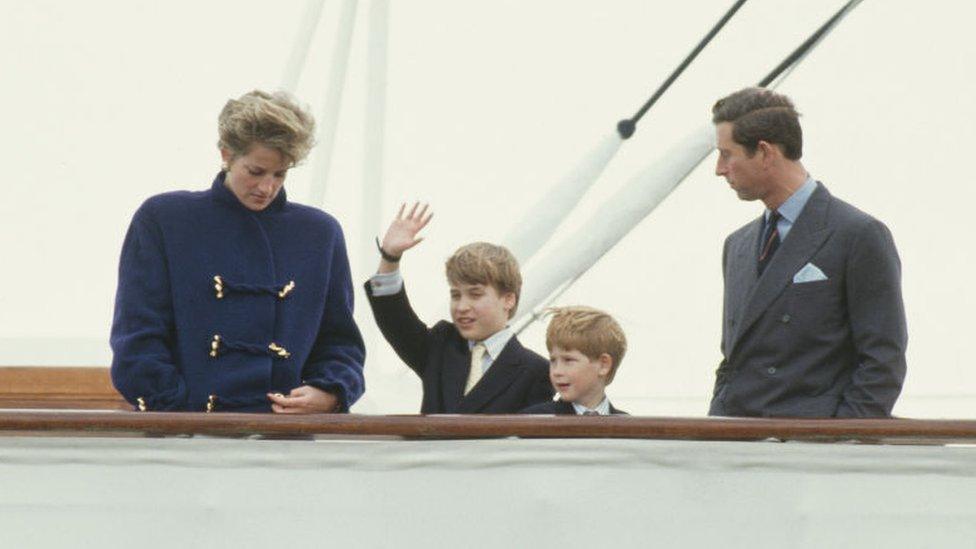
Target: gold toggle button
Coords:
[(219, 286), (211, 403), (287, 289), (142, 404), (214, 346), (279, 350)]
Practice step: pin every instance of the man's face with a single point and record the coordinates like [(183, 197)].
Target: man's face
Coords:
[(479, 311), (743, 173), (577, 377)]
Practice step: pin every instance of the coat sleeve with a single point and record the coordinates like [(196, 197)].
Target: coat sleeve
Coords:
[(542, 391), (721, 373), (335, 363), (402, 328), (143, 328), (877, 317)]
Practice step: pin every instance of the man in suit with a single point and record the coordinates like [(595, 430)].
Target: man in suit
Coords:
[(474, 364), (813, 322)]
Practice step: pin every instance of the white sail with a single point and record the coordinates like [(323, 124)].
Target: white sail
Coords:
[(539, 223), (632, 203), (303, 42), (328, 120)]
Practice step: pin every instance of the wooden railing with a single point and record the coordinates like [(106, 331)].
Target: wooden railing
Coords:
[(874, 431), (62, 388), (81, 401)]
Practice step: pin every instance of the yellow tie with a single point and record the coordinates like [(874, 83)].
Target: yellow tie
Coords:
[(477, 354)]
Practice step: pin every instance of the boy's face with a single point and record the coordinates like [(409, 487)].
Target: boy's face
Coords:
[(577, 377), (478, 310)]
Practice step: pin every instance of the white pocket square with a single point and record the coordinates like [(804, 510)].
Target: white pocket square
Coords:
[(809, 273)]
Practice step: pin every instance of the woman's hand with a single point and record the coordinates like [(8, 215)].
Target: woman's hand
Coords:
[(304, 400), (402, 234)]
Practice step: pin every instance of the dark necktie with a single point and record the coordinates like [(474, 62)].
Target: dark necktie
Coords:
[(770, 241), (591, 413)]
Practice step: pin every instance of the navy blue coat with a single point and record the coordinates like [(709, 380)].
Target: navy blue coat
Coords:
[(219, 305)]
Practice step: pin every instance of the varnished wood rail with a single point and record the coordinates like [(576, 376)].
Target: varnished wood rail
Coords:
[(81, 401), (59, 387), (900, 431)]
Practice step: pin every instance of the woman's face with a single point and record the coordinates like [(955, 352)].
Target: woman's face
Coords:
[(256, 177)]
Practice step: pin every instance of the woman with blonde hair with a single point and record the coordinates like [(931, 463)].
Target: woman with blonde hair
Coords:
[(234, 298)]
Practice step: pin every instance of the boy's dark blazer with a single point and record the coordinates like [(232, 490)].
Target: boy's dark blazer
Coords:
[(440, 356), (561, 407)]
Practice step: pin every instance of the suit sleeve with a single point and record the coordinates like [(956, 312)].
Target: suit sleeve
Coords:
[(143, 328), (542, 390), (877, 318), (722, 371), (335, 363), (402, 328)]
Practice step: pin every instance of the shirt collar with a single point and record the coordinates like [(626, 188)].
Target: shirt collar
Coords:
[(222, 193), (495, 343), (603, 408), (793, 206)]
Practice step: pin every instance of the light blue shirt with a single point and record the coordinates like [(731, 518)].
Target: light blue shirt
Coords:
[(792, 208), (493, 347), (603, 408), (384, 284)]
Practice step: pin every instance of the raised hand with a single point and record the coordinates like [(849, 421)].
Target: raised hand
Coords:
[(402, 234)]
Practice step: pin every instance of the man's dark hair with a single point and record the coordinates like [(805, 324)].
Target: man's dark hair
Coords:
[(758, 114)]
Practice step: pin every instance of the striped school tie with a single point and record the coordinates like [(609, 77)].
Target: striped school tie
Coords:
[(770, 241)]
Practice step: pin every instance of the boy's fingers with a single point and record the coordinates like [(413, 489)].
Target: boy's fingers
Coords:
[(403, 206), (426, 220), (413, 210), (422, 211)]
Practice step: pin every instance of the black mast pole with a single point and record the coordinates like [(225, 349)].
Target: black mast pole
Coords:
[(807, 44), (627, 126)]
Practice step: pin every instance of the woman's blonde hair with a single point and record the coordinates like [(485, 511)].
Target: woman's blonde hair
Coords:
[(273, 120)]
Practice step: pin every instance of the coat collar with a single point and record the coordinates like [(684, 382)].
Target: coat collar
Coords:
[(223, 194), (806, 237), (561, 407)]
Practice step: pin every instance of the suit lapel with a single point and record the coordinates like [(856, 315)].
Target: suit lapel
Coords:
[(743, 273), (500, 375), (457, 363), (615, 411), (561, 407), (805, 237)]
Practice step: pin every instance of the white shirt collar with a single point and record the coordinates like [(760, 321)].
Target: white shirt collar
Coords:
[(495, 342), (603, 408)]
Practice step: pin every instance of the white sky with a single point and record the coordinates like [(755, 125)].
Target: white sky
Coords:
[(105, 103)]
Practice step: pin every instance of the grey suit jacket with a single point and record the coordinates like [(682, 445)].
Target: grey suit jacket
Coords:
[(829, 348)]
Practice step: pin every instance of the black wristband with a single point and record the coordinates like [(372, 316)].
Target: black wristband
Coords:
[(386, 256)]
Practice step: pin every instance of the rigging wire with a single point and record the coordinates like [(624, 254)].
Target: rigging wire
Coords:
[(627, 126), (538, 226), (771, 80)]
